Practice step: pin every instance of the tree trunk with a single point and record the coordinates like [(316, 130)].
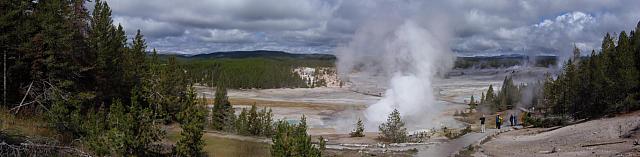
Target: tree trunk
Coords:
[(4, 83)]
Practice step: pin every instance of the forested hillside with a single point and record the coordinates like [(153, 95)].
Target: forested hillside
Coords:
[(504, 61), (252, 69)]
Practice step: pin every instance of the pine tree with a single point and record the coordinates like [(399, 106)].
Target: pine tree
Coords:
[(253, 121), (266, 122), (576, 54), (359, 131), (101, 143), (108, 42), (508, 95), (322, 144), (598, 82), (482, 99), (472, 103), (629, 75), (134, 61), (143, 129), (192, 122), (282, 147), (172, 84), (570, 88), (222, 112), (131, 130), (393, 130), (151, 87), (635, 42), (489, 97), (293, 140), (242, 126)]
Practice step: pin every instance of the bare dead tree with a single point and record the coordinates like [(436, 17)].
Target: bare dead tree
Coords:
[(4, 84), (32, 149), (40, 95)]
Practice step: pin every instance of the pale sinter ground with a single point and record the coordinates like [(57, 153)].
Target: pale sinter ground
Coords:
[(331, 113), (571, 140)]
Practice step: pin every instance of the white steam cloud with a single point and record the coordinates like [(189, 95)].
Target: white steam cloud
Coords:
[(411, 49)]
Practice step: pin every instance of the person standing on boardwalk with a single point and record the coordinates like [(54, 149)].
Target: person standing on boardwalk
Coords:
[(512, 119), (501, 121), (482, 123), (515, 120), (498, 119)]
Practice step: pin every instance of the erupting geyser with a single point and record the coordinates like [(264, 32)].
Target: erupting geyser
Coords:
[(410, 52)]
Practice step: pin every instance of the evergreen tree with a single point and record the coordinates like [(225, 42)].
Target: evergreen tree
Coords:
[(569, 89), (482, 98), (172, 85), (393, 130), (629, 75), (253, 121), (359, 131), (266, 122), (108, 42), (192, 122), (151, 87), (604, 83), (140, 129), (131, 131), (282, 145), (491, 99), (508, 95), (635, 42), (134, 61), (242, 123), (322, 144), (472, 103), (576, 54), (293, 140), (222, 112), (101, 143)]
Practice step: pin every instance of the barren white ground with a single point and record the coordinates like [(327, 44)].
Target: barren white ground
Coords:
[(334, 110), (570, 140)]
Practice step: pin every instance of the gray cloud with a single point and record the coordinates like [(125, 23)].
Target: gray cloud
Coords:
[(486, 27)]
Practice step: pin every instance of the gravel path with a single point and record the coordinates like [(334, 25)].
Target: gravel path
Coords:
[(452, 147), (570, 140)]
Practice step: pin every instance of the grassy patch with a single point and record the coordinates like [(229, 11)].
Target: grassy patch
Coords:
[(221, 146), (32, 125)]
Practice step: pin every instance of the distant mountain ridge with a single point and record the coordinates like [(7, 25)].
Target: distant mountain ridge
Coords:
[(255, 54)]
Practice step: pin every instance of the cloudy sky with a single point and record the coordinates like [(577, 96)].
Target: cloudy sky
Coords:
[(480, 27)]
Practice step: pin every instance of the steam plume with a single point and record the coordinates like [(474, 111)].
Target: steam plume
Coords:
[(410, 48)]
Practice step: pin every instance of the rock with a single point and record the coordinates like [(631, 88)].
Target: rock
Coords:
[(549, 152)]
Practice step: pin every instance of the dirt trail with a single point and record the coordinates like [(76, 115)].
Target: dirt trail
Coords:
[(571, 140), (454, 146)]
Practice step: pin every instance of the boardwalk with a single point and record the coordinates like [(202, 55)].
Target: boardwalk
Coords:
[(452, 147)]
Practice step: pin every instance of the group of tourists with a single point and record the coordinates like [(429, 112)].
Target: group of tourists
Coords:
[(513, 120)]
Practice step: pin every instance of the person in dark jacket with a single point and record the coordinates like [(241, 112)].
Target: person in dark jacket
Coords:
[(482, 123), (498, 120), (512, 119), (515, 120)]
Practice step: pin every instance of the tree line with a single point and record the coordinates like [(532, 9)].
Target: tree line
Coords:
[(255, 72), (289, 139), (605, 82), (506, 98)]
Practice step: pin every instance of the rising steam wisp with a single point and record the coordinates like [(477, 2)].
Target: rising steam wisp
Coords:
[(411, 54)]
